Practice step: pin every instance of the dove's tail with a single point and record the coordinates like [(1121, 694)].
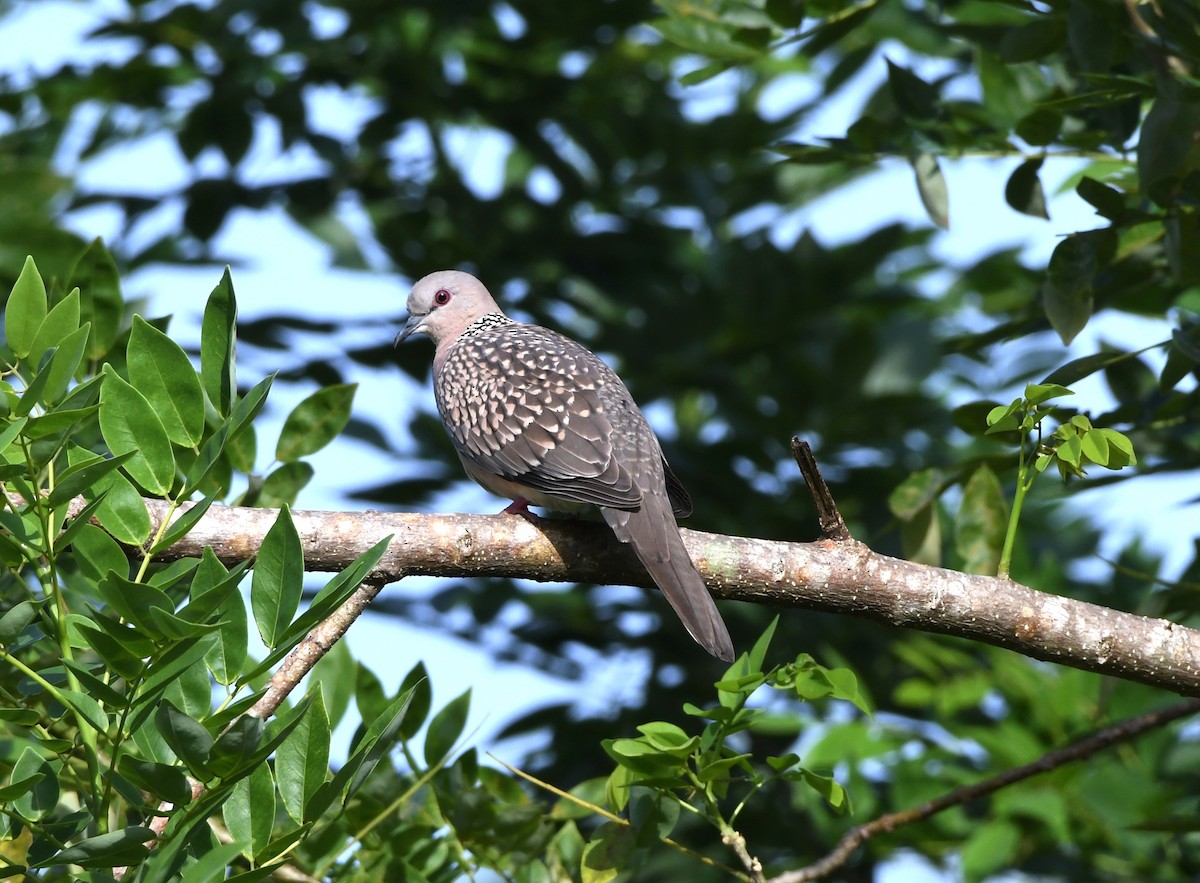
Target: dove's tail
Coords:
[(654, 535)]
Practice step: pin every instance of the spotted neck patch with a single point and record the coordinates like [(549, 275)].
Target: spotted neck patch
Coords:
[(486, 323)]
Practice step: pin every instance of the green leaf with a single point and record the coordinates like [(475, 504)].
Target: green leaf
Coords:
[(118, 848), (234, 751), (1077, 369), (161, 371), (445, 728), (284, 484), (85, 708), (786, 13), (1024, 190), (116, 654), (1039, 127), (982, 523), (302, 761), (19, 787), (60, 323), (228, 653), (16, 620), (1166, 139), (42, 798), (921, 536), (701, 75), (653, 814), (915, 493), (416, 682), (135, 601), (1043, 35), (1036, 393), (11, 431), (249, 406), (96, 688), (668, 738), (213, 865), (163, 671), (187, 737), (1109, 202), (250, 810), (25, 310), (100, 301), (159, 779), (61, 370), (375, 743), (916, 99), (206, 460), (278, 579), (829, 788), (992, 845), (185, 519), (83, 478), (1120, 449), (122, 511), (326, 601), (644, 759), (130, 424), (1182, 245), (1094, 445), (218, 346), (707, 38), (32, 396), (98, 554), (1070, 451), (58, 422), (845, 687), (1067, 291), (931, 185), (315, 422), (758, 655), (608, 853)]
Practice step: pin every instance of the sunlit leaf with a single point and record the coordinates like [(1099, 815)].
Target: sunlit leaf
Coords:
[(25, 310), (131, 425)]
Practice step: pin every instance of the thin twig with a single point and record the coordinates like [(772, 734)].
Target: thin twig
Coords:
[(833, 526), (1108, 736)]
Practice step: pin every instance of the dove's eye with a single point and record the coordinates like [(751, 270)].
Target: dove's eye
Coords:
[(441, 297)]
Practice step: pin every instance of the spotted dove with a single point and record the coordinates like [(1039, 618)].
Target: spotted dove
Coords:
[(540, 419)]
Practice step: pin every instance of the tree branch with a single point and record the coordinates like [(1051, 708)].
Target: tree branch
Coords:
[(833, 526), (835, 576)]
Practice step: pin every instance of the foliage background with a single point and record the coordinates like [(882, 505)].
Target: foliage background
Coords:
[(658, 234)]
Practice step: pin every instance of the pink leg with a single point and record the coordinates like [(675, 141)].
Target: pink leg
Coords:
[(520, 506)]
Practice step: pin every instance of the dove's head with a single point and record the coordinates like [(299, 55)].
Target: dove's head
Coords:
[(444, 304)]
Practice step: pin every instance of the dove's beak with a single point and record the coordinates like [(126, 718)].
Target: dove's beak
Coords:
[(414, 325)]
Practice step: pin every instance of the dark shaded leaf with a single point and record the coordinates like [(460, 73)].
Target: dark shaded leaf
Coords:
[(101, 304), (1024, 190)]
